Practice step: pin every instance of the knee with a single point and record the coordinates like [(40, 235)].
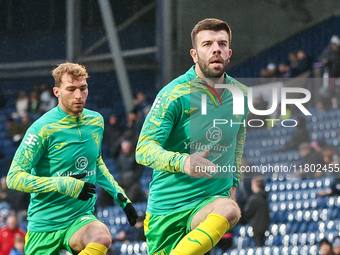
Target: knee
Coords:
[(103, 239), (100, 234), (232, 213)]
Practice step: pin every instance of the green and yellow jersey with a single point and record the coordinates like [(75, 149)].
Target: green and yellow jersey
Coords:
[(175, 128), (55, 147)]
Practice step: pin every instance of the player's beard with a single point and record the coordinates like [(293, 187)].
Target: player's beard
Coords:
[(71, 108), (211, 72)]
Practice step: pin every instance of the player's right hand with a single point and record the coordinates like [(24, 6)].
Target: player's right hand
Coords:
[(88, 189), (129, 210), (196, 165)]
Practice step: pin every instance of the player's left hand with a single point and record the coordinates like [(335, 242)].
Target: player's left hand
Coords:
[(232, 193), (129, 210)]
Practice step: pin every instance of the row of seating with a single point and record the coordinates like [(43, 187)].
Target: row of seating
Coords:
[(274, 250)]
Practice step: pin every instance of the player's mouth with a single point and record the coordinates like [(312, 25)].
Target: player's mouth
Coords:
[(78, 104), (216, 63)]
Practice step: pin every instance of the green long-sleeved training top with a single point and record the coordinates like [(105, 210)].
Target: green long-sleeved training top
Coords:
[(55, 147), (175, 128)]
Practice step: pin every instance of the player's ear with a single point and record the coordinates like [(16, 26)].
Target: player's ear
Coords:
[(193, 54), (230, 53), (56, 91)]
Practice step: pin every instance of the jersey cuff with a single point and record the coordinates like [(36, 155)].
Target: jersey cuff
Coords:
[(235, 182), (183, 159)]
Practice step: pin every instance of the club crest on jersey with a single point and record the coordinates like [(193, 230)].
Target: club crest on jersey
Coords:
[(236, 117), (95, 138)]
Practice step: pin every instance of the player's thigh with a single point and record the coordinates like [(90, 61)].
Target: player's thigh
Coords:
[(224, 206), (163, 232), (42, 243), (84, 230)]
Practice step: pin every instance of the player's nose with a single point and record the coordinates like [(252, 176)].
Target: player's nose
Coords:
[(77, 93), (216, 48)]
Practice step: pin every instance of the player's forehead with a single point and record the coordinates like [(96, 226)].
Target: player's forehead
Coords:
[(68, 80), (211, 35)]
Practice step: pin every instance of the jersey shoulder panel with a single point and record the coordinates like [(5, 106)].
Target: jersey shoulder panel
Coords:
[(175, 89), (93, 118), (88, 112), (233, 81)]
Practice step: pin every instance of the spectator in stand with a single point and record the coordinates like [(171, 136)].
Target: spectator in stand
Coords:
[(301, 135), (47, 100), (126, 161), (310, 158), (285, 70), (130, 131), (113, 134), (331, 57), (132, 187), (34, 102), (4, 213), (270, 72), (304, 62), (8, 233), (243, 191), (330, 156), (336, 245), (333, 190), (293, 60), (335, 103), (3, 189), (14, 131), (140, 102), (25, 123), (21, 105), (3, 99), (325, 247), (19, 244), (320, 106), (130, 172), (256, 211)]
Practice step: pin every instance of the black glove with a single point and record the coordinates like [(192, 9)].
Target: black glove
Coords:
[(129, 210), (88, 188)]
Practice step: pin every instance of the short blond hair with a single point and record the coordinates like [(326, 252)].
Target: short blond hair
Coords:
[(77, 71)]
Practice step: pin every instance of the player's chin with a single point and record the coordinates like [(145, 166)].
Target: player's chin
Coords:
[(217, 72), (78, 107)]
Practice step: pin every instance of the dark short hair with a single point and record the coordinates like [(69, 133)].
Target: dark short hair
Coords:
[(324, 241), (258, 182), (209, 24)]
